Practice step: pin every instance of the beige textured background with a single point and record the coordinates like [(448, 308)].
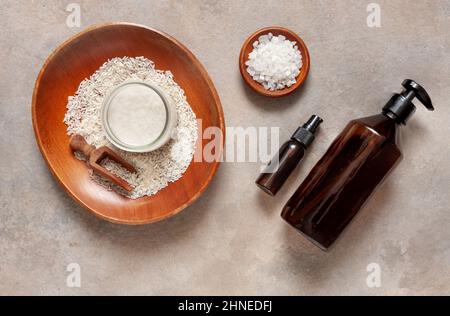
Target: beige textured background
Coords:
[(232, 241)]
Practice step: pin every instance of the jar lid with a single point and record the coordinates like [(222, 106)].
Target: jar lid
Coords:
[(138, 116)]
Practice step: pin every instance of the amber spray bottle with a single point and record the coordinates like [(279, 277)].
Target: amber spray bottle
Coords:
[(351, 169), (288, 157)]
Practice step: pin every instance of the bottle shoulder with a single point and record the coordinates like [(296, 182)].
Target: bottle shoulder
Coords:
[(381, 125), (294, 144)]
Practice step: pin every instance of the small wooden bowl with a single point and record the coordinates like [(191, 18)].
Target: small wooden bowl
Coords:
[(248, 47), (78, 58)]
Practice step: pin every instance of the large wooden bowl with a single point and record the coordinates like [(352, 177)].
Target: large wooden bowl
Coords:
[(77, 59), (247, 48)]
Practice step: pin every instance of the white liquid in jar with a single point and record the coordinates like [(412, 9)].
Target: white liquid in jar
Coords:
[(137, 115)]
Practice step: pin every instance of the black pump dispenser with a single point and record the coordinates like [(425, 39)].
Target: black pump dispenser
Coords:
[(400, 106), (305, 133)]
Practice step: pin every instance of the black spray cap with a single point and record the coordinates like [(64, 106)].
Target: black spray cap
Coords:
[(305, 133), (400, 106)]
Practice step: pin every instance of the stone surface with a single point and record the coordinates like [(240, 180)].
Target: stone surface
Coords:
[(232, 240)]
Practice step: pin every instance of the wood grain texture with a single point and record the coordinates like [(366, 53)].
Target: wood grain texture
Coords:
[(81, 56), (247, 48)]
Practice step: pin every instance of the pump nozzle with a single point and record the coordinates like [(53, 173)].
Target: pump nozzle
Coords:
[(400, 106), (419, 91), (305, 134)]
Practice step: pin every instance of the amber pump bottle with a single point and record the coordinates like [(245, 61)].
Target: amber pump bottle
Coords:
[(288, 157), (353, 166)]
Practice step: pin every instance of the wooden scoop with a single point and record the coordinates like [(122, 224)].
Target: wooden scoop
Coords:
[(95, 156)]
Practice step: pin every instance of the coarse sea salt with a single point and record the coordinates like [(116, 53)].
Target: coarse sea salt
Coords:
[(275, 62), (156, 169)]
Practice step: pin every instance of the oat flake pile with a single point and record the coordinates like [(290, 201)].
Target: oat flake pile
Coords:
[(155, 170)]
